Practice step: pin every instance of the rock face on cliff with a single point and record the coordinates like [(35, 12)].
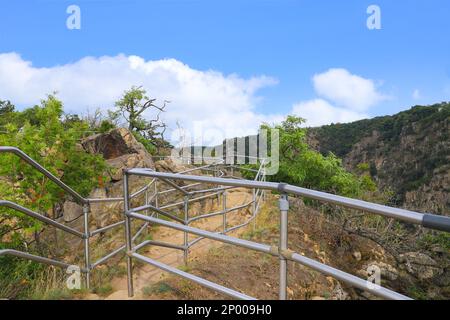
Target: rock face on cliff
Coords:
[(120, 150), (408, 152)]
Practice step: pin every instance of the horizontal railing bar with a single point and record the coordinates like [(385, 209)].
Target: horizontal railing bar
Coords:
[(197, 157), (190, 200), (120, 199), (158, 244), (400, 214), (28, 256), (37, 216), (205, 216), (212, 190), (44, 171), (174, 185), (107, 257), (141, 229), (207, 234), (102, 200), (198, 168), (347, 278), (142, 190), (242, 168), (218, 213), (184, 187), (241, 225), (193, 242), (241, 206), (111, 226), (201, 281), (158, 210)]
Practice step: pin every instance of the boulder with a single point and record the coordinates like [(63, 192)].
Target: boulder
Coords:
[(167, 165), (71, 211), (420, 265), (357, 255), (388, 272), (120, 149)]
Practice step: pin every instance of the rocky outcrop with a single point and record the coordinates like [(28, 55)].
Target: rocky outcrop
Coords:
[(420, 265), (120, 149), (409, 153), (71, 211), (167, 165)]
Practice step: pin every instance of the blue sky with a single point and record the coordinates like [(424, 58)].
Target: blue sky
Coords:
[(286, 40)]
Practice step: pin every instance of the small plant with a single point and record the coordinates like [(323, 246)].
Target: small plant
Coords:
[(157, 288), (56, 294), (185, 268), (104, 290)]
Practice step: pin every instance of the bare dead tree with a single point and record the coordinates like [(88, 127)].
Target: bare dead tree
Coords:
[(132, 106)]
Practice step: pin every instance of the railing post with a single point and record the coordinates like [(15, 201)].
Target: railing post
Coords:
[(146, 200), (87, 260), (264, 180), (128, 240), (254, 209), (156, 197), (186, 223), (284, 207), (224, 208)]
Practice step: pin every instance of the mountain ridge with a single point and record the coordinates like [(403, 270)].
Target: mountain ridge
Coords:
[(408, 152)]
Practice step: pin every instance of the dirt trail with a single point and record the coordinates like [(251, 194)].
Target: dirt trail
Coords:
[(146, 275)]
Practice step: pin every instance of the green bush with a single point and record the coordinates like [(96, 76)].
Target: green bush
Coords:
[(42, 134), (302, 166)]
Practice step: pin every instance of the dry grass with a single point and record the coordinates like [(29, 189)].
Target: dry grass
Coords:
[(253, 273)]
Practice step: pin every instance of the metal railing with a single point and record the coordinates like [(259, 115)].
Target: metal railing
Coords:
[(86, 203), (281, 251), (151, 210), (86, 234)]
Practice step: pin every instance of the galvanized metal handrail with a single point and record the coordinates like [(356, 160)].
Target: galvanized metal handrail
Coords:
[(282, 251), (430, 221), (44, 171), (86, 203), (35, 258), (221, 186), (37, 216)]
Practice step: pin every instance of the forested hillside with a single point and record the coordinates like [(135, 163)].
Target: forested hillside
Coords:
[(408, 153)]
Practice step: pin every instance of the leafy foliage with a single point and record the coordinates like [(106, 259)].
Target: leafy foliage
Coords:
[(132, 106), (302, 166), (340, 138), (428, 125), (41, 134)]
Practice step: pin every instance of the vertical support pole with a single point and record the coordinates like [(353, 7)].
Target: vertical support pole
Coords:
[(87, 260), (156, 197), (146, 200), (224, 209), (186, 223), (284, 207), (254, 209), (264, 180), (128, 240)]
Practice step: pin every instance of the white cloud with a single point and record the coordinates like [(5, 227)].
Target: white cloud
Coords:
[(222, 103), (342, 97), (416, 95), (347, 90), (319, 112)]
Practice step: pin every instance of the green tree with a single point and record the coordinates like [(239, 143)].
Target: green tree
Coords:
[(132, 106), (302, 166), (55, 144)]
